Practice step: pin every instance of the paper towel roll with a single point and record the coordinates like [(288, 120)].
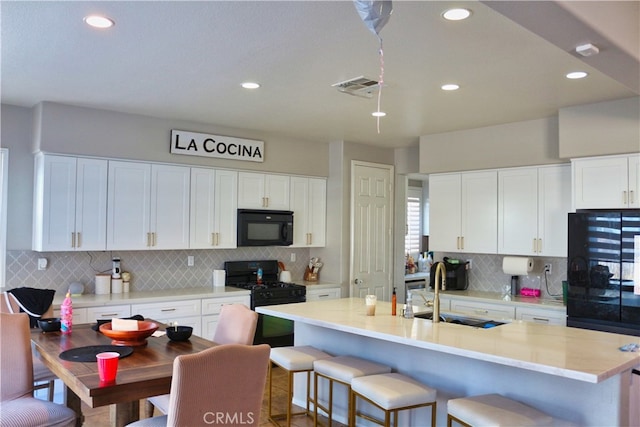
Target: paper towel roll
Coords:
[(218, 278), (103, 284), (517, 266)]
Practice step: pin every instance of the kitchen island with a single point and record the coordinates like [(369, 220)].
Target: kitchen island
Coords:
[(572, 374)]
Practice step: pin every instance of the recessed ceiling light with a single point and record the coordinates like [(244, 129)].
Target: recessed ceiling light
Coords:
[(378, 114), (450, 86), (250, 85), (97, 21), (577, 75), (456, 14)]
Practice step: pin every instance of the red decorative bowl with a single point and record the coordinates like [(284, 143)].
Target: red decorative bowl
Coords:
[(130, 338)]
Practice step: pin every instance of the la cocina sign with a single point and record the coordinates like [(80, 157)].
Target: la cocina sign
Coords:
[(223, 147)]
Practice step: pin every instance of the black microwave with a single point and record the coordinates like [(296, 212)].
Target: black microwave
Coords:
[(265, 228)]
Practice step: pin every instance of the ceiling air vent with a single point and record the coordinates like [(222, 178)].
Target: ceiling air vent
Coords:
[(359, 86)]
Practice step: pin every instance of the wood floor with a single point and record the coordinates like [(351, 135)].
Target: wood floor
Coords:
[(99, 417)]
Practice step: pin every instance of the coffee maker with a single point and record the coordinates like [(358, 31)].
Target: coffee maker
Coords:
[(456, 278)]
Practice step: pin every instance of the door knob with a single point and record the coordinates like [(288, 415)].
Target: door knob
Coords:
[(358, 282)]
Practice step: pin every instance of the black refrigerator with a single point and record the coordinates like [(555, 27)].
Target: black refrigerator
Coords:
[(603, 271)]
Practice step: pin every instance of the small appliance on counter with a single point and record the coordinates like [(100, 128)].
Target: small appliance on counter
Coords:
[(456, 277)]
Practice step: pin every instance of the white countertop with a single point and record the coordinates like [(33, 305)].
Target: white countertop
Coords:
[(578, 354), (93, 300)]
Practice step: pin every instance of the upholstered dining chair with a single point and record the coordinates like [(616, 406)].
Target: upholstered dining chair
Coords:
[(42, 376), (236, 325), (222, 385), (18, 407)]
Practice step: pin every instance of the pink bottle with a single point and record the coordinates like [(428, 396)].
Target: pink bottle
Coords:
[(66, 315)]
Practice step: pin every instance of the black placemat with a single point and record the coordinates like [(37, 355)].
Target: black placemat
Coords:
[(88, 353)]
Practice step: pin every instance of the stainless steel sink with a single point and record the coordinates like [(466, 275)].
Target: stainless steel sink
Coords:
[(462, 320)]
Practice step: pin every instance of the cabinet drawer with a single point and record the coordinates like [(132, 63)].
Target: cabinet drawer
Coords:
[(319, 294), (108, 312), (79, 315), (495, 311), (169, 310), (547, 317), (214, 305)]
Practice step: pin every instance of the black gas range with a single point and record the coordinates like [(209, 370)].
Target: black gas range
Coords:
[(266, 290)]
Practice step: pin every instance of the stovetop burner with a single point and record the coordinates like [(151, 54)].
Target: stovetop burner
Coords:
[(267, 285)]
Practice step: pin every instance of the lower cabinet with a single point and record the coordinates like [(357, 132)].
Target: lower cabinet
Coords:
[(540, 315), (496, 311), (320, 294), (211, 312), (185, 313), (79, 315)]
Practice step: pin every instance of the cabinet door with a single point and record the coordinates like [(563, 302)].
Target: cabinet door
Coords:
[(129, 192), (518, 211), (494, 311), (277, 192), (634, 181), (479, 207), (251, 193), (554, 205), (444, 212), (317, 212), (201, 225), (91, 205), (308, 202), (545, 317), (321, 294), (600, 183), (299, 204), (225, 209), (169, 220), (54, 203)]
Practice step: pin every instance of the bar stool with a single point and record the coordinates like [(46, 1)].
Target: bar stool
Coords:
[(495, 410), (293, 360), (392, 393), (341, 369)]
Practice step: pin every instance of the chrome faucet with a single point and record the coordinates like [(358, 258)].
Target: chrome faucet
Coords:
[(439, 282)]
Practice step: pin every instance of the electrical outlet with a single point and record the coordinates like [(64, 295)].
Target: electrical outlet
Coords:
[(42, 263), (190, 261), (469, 264), (547, 268), (293, 257)]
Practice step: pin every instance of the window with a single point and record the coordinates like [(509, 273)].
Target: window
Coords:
[(413, 233), (4, 171)]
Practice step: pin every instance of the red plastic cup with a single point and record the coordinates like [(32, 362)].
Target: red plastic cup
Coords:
[(107, 366)]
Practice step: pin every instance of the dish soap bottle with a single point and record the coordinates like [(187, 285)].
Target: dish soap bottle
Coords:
[(66, 314), (394, 302), (259, 276)]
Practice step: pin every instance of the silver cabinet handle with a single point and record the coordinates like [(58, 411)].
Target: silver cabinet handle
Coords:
[(148, 239), (462, 242), (624, 197), (109, 315), (78, 238), (153, 239), (630, 196), (167, 309), (73, 239), (540, 320), (539, 246)]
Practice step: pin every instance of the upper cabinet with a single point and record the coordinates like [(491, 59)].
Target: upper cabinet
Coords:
[(463, 212), (309, 205), (610, 182), (263, 191), (69, 204), (148, 206), (214, 197), (533, 203)]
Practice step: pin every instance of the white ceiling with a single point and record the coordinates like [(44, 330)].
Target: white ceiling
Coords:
[(185, 60)]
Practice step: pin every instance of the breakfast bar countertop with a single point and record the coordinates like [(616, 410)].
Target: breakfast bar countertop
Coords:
[(578, 354)]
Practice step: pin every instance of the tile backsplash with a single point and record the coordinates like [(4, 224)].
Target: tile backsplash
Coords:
[(150, 270)]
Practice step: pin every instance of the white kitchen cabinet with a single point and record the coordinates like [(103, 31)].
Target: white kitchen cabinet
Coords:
[(324, 293), (609, 182), (263, 191), (148, 206), (463, 212), (541, 315), (70, 204), (483, 309), (211, 312), (214, 200), (184, 313), (79, 315), (309, 205), (107, 312), (533, 203)]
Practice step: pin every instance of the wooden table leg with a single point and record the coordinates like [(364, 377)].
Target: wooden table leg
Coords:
[(124, 413), (73, 402)]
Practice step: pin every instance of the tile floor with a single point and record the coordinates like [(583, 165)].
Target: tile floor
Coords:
[(99, 417)]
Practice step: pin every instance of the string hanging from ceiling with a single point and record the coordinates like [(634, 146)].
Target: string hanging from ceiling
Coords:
[(375, 15)]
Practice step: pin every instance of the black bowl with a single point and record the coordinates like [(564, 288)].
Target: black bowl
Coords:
[(51, 324), (179, 333)]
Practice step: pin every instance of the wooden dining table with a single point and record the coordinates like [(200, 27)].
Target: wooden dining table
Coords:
[(146, 372)]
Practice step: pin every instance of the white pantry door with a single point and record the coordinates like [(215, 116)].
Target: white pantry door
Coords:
[(371, 229)]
